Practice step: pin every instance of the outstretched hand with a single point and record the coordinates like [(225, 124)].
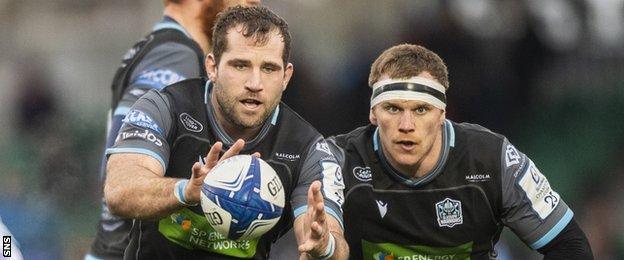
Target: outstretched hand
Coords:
[(193, 188), (316, 230)]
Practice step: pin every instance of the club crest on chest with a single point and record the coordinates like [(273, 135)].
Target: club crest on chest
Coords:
[(449, 213)]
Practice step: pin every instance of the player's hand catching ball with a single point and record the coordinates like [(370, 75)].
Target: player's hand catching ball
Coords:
[(193, 189)]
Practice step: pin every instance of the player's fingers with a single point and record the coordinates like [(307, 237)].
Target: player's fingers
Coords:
[(306, 247), (234, 150), (213, 155), (311, 196), (319, 212), (301, 248), (316, 189), (196, 169), (317, 230), (199, 174), (257, 155), (317, 196)]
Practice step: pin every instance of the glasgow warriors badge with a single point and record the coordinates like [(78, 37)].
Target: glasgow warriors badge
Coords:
[(449, 213)]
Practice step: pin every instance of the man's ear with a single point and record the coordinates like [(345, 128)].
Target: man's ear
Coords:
[(371, 116), (211, 67), (442, 117), (288, 72)]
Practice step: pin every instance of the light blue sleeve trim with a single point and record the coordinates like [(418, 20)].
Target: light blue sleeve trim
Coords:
[(301, 210), (336, 216), (121, 111), (554, 231), (91, 257), (138, 150)]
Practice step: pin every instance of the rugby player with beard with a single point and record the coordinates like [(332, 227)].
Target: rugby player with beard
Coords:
[(173, 51), (153, 173)]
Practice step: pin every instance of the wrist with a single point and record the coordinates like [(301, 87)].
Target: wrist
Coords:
[(179, 192), (330, 249)]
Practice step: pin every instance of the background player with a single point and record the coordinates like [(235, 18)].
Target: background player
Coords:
[(419, 185), (173, 51), (165, 132)]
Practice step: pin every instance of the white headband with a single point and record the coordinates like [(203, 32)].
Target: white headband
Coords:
[(414, 88)]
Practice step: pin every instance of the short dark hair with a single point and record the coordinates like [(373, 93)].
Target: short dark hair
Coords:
[(406, 61), (257, 21)]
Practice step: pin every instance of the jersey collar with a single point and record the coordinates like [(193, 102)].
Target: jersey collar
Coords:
[(169, 23), (220, 133), (448, 141)]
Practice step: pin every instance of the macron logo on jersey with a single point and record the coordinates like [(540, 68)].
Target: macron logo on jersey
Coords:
[(383, 208), (158, 78)]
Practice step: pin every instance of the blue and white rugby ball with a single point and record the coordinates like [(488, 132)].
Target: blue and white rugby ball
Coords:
[(242, 197)]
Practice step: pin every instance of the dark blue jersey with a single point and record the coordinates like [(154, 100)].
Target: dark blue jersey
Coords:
[(480, 184), (176, 126)]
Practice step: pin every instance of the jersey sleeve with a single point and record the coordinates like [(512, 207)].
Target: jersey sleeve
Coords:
[(145, 129), (164, 65), (320, 164), (335, 145), (531, 208)]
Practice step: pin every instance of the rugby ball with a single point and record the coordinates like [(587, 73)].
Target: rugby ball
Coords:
[(242, 197)]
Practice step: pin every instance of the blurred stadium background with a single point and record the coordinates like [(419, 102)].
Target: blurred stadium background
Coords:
[(549, 74)]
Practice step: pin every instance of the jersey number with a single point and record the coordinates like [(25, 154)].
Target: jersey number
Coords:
[(551, 199)]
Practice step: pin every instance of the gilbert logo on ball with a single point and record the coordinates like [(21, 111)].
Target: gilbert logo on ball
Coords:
[(242, 197)]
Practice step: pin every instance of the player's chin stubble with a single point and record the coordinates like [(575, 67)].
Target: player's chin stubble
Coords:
[(228, 105)]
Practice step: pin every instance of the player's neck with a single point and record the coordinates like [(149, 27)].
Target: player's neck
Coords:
[(191, 24), (237, 132)]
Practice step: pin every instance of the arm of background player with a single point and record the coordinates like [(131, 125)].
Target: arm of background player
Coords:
[(535, 212), (319, 203)]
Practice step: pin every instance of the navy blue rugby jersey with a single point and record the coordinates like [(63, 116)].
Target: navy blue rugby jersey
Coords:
[(177, 125), (480, 184)]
